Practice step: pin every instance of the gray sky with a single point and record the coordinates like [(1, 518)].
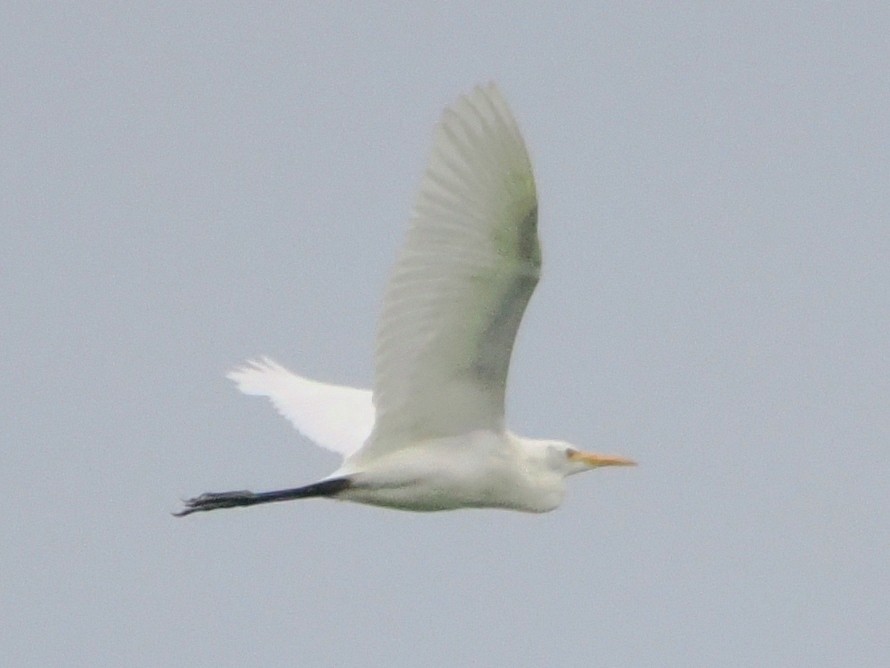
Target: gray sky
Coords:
[(187, 185)]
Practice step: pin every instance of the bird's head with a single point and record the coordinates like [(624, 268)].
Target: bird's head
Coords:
[(566, 458)]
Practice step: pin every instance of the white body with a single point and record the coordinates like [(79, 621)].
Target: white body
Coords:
[(478, 470), (431, 435)]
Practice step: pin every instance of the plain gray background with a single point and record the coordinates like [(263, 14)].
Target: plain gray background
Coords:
[(185, 185)]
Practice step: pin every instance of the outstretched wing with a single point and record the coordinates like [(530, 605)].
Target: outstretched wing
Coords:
[(468, 268), (334, 417)]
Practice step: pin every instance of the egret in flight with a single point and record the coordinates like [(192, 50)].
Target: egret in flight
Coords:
[(431, 433)]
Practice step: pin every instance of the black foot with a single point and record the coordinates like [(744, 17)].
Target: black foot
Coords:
[(215, 500)]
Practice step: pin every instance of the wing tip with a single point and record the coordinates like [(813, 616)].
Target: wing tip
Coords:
[(252, 376)]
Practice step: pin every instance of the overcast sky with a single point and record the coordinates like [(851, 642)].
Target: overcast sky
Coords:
[(185, 185)]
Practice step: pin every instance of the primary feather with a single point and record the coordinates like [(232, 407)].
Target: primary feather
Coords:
[(335, 417), (467, 269)]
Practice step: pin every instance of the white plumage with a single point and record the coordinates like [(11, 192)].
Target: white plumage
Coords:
[(335, 417), (432, 436)]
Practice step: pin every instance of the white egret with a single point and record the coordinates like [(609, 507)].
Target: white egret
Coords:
[(432, 436)]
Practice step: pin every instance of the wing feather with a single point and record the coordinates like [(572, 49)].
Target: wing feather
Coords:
[(335, 417), (465, 274)]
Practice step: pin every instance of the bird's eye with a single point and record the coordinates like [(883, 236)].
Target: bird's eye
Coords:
[(570, 452)]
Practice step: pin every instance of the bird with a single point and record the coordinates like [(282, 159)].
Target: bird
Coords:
[(431, 434)]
